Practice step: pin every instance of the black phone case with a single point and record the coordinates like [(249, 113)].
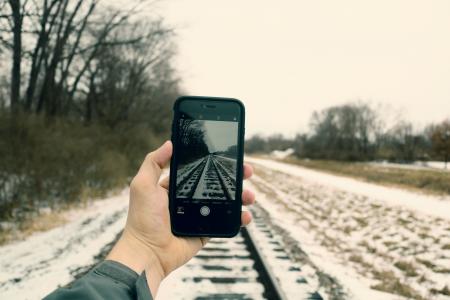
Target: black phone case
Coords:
[(239, 175)]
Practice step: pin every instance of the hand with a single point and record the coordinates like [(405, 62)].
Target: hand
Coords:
[(147, 242)]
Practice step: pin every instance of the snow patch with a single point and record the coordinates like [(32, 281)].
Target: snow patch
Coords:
[(282, 154), (32, 268), (438, 206)]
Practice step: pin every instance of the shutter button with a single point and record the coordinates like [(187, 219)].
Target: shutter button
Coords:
[(204, 211)]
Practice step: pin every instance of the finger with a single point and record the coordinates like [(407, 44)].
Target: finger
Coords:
[(155, 161), (204, 240), (248, 171), (246, 218), (164, 182), (248, 197)]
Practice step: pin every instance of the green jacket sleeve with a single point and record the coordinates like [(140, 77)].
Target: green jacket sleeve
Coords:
[(108, 280)]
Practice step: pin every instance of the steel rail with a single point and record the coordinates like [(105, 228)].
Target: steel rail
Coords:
[(272, 287)]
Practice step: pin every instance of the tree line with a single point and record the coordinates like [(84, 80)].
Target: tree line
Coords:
[(358, 131), (82, 58), (86, 90)]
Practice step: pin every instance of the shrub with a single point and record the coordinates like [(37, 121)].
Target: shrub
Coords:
[(54, 163)]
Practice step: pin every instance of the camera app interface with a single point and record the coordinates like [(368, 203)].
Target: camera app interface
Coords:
[(207, 159)]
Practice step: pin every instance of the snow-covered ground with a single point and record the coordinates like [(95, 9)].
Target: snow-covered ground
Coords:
[(282, 154), (348, 239), (438, 206), (225, 269), (222, 268), (417, 165), (369, 237), (32, 268)]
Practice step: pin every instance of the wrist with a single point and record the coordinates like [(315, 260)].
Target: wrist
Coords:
[(134, 254)]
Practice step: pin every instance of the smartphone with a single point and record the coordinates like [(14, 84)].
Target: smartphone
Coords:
[(206, 168)]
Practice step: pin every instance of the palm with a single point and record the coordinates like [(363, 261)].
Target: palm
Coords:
[(153, 213), (147, 242), (149, 219)]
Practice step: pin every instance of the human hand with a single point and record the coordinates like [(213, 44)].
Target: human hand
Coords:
[(147, 242)]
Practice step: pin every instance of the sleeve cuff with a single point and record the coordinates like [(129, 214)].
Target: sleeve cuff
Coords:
[(118, 272), (127, 276), (142, 289)]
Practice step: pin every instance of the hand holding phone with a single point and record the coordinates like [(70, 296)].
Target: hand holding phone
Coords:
[(147, 242), (206, 167)]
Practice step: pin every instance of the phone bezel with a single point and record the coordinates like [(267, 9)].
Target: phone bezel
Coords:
[(235, 221)]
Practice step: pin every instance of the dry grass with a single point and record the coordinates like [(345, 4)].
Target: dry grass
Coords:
[(427, 263), (361, 221), (429, 181), (356, 258), (391, 284), (444, 291), (41, 223), (408, 268), (369, 248)]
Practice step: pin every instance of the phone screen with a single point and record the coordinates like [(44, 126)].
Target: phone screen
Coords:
[(206, 166), (207, 157)]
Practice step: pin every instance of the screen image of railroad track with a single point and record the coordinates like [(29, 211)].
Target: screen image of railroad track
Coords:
[(211, 177), (207, 165)]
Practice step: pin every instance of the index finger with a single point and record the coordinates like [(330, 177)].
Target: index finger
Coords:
[(248, 171)]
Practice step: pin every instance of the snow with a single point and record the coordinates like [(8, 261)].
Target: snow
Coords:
[(281, 154), (211, 177), (337, 227), (438, 165), (185, 170), (204, 189), (32, 268), (355, 287), (417, 165), (234, 263), (297, 281), (331, 218), (438, 206), (194, 280)]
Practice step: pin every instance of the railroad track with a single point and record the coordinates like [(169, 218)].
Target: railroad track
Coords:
[(256, 264), (210, 177), (252, 265)]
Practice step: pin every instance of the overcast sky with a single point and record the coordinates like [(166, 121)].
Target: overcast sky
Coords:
[(285, 59), (220, 135)]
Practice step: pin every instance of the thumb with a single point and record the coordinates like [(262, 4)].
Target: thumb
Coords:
[(156, 161)]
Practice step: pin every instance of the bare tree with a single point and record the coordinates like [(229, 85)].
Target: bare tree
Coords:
[(124, 79), (13, 14), (347, 132), (440, 137), (67, 36), (87, 67)]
